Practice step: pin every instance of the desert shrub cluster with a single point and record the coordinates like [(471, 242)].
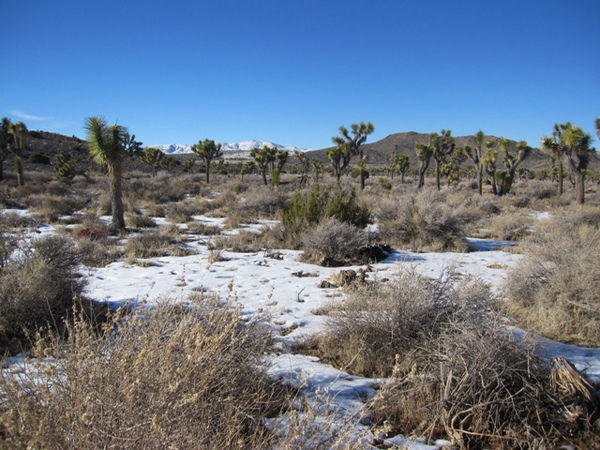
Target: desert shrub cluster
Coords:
[(173, 377), (454, 370), (555, 289)]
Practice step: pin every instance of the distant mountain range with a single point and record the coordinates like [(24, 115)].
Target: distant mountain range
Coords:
[(235, 149)]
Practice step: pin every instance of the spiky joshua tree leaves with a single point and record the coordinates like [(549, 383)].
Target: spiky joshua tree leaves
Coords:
[(264, 158), (349, 145), (207, 150), (108, 145)]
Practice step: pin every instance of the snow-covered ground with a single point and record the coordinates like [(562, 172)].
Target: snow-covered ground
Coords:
[(285, 292)]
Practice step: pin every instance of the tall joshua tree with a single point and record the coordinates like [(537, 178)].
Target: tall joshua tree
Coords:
[(442, 146), (506, 177), (349, 144), (264, 158), (108, 145), (423, 153), (5, 141), (553, 146), (577, 152), (476, 154), (207, 150), (19, 132)]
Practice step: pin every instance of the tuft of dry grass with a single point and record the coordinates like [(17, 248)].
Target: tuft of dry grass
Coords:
[(152, 245)]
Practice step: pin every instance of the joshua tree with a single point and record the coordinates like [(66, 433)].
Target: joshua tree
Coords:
[(489, 163), (281, 158), (264, 158), (577, 150), (361, 171), (19, 132), (442, 146), (5, 141), (207, 150), (552, 146), (154, 158), (451, 169), (64, 166), (506, 177), (340, 157), (402, 164), (598, 127), (423, 153), (108, 145), (476, 154), (317, 167), (350, 146)]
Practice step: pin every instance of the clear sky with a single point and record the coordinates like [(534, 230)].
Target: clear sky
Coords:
[(293, 71)]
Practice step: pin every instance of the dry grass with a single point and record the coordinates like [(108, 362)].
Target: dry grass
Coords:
[(153, 245), (173, 377), (455, 371), (511, 226), (424, 222), (37, 288), (332, 240), (555, 289)]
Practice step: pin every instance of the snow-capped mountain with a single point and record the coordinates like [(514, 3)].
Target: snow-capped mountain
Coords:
[(238, 148)]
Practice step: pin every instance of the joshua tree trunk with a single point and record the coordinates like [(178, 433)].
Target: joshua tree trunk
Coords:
[(207, 172), (116, 202), (19, 171), (560, 177)]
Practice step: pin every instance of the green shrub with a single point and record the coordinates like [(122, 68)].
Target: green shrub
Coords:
[(320, 203)]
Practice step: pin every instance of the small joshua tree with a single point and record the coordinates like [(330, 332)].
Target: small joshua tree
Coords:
[(154, 158), (207, 150)]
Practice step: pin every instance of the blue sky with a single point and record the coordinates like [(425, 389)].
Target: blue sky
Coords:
[(292, 71)]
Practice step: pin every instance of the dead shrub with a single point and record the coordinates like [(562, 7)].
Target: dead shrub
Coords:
[(424, 222), (379, 321), (91, 230), (202, 228), (13, 221), (172, 377), (180, 212), (51, 207), (37, 289), (555, 288), (511, 227), (138, 221), (333, 240), (153, 245), (478, 386), (455, 372)]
